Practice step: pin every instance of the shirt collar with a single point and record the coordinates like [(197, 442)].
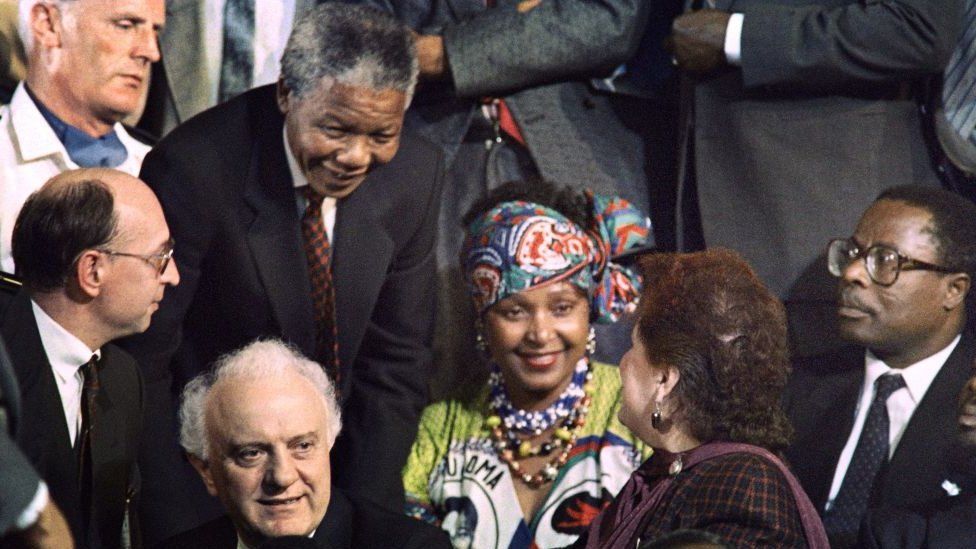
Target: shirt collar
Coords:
[(36, 139), (242, 545), (918, 376), (64, 351), (298, 179)]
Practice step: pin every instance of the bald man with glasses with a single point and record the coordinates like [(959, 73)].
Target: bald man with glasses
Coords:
[(93, 251), (875, 423)]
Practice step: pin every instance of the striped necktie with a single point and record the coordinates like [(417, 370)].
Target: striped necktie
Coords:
[(237, 57), (959, 85)]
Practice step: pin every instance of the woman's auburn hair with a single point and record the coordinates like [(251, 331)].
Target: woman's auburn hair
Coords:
[(709, 316)]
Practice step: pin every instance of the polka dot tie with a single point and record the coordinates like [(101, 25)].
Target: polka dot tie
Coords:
[(320, 274), (844, 518)]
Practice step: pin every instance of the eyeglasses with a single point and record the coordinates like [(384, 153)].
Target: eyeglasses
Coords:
[(158, 261), (882, 262)]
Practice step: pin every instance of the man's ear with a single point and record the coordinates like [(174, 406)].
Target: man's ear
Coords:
[(46, 24), (957, 287), (203, 467), (90, 273), (282, 94)]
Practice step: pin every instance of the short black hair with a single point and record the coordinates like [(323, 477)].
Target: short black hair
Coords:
[(953, 223), (564, 199), (55, 225)]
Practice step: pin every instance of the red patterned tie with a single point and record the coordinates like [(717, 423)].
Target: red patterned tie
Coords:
[(320, 275), (506, 122)]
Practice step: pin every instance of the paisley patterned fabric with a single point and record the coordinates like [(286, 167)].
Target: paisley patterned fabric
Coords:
[(520, 245)]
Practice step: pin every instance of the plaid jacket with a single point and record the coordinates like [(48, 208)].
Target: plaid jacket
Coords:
[(740, 497)]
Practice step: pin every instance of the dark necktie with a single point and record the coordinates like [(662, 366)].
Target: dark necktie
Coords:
[(844, 518), (237, 57), (320, 275), (89, 392), (959, 84)]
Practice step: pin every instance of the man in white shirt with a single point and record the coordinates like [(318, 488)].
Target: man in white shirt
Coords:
[(94, 252), (189, 78), (87, 68), (799, 114), (875, 424)]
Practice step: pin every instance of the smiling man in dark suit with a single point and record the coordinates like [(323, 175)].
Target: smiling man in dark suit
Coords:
[(303, 212), (875, 424), (93, 250)]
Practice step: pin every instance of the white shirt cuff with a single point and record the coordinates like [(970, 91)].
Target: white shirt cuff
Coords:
[(29, 515), (733, 39)]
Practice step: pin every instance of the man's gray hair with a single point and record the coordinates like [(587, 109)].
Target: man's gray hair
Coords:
[(262, 359), (356, 45), (23, 19)]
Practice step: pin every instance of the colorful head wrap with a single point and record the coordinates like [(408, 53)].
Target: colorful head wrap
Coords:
[(520, 245)]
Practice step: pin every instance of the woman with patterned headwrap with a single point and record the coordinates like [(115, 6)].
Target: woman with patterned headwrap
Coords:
[(530, 457)]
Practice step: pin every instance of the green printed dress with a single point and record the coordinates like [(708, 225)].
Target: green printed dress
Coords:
[(454, 479)]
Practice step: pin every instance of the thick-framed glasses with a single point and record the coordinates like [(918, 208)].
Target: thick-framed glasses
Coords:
[(883, 263), (159, 261)]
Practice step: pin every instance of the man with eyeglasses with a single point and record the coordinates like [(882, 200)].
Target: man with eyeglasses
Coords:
[(94, 253), (875, 423)]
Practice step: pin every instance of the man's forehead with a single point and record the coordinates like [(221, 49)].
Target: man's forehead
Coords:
[(891, 223)]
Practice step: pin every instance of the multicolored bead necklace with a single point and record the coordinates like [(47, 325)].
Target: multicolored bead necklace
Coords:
[(511, 448), (535, 422)]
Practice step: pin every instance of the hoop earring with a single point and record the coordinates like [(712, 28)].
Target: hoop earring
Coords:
[(591, 342), (656, 418)]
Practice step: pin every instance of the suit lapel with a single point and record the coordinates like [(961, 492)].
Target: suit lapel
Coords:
[(274, 235), (360, 258), (933, 423), (43, 434), (186, 68)]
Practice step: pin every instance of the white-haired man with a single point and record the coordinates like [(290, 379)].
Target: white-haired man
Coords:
[(87, 68), (258, 428)]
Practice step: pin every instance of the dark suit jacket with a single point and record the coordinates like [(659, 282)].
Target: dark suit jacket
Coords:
[(43, 433), (792, 147), (821, 399), (17, 477), (345, 525), (945, 527), (225, 188), (540, 62)]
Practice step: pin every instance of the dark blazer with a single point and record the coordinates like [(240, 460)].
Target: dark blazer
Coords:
[(17, 477), (821, 399), (792, 147), (944, 527), (227, 193), (346, 525), (43, 433)]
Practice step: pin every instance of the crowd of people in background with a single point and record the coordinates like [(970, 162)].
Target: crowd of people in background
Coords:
[(487, 273)]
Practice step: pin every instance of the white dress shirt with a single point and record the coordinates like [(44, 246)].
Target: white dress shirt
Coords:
[(299, 181), (901, 404), (273, 23), (67, 354), (30, 154)]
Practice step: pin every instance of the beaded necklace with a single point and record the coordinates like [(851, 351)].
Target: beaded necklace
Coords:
[(535, 422), (511, 448)]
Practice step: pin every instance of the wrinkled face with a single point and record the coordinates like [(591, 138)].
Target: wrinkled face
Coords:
[(269, 456), (339, 132), (639, 390), (107, 48), (909, 314), (133, 286), (536, 337)]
